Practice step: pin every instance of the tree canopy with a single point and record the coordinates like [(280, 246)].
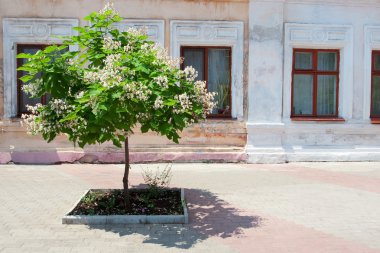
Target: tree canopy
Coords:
[(115, 81)]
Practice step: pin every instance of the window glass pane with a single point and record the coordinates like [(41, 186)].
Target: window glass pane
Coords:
[(303, 94), (219, 75), (327, 61), (24, 98), (195, 57), (376, 96), (376, 60), (326, 98), (304, 60)]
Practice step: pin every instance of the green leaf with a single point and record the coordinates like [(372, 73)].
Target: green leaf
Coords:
[(102, 107), (170, 102), (26, 56), (94, 93), (69, 117), (26, 78), (116, 95), (26, 68), (145, 128), (50, 49), (179, 121), (83, 100)]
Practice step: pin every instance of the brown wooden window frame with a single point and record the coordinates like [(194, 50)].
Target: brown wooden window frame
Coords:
[(374, 117), (315, 72), (205, 71), (19, 75)]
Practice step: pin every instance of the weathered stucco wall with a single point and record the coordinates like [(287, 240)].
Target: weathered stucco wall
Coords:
[(212, 134), (276, 27)]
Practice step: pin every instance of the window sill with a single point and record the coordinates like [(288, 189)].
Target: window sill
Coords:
[(321, 119), (221, 119), (375, 121)]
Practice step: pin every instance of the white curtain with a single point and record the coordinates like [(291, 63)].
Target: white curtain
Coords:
[(327, 61), (304, 61), (195, 57), (376, 96), (326, 99), (219, 73), (303, 94)]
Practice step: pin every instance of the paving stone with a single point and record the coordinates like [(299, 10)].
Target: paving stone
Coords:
[(302, 207)]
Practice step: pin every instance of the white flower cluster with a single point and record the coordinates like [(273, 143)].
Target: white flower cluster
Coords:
[(111, 60), (32, 127), (159, 103), (79, 95), (163, 57), (137, 31), (29, 120), (145, 47), (189, 122), (128, 48), (90, 76), (186, 104), (137, 90), (110, 44), (108, 7), (143, 116), (32, 88), (36, 124), (162, 81), (190, 73), (110, 75), (77, 125), (204, 97), (60, 106), (71, 62)]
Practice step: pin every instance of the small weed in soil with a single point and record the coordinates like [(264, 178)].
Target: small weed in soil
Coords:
[(142, 202)]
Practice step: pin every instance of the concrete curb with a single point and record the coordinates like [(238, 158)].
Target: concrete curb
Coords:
[(54, 157), (127, 219)]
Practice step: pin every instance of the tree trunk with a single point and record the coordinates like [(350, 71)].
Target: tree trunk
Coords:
[(126, 173)]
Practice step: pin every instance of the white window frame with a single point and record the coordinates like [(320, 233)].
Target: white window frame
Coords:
[(214, 33), (372, 42), (320, 36), (28, 31)]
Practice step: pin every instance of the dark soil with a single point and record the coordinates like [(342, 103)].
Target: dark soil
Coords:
[(142, 202)]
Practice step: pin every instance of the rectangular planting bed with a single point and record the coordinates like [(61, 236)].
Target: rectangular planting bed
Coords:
[(103, 206)]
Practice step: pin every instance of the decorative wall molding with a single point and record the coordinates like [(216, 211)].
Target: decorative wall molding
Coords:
[(319, 36), (156, 28), (355, 3), (371, 42), (27, 31), (300, 34), (214, 33)]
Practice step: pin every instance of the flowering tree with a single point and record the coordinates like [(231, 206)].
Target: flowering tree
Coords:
[(115, 81)]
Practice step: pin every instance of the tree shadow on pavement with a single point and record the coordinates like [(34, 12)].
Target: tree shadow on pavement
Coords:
[(209, 216)]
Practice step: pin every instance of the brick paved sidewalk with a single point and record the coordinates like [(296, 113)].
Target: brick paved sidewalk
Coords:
[(302, 207)]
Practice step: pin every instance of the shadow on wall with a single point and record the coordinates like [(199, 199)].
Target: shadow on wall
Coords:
[(209, 217)]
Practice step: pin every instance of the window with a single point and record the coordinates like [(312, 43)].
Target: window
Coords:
[(214, 66), (24, 99), (315, 83), (375, 90)]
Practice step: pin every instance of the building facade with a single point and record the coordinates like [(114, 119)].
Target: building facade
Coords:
[(297, 79)]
